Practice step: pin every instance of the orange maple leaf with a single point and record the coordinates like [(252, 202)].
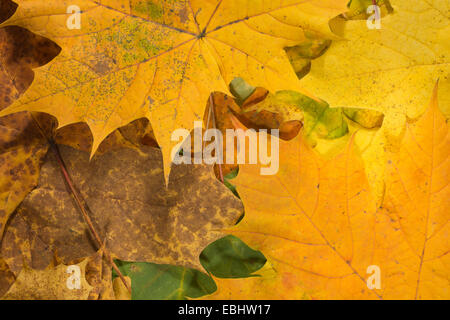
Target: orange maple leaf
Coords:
[(321, 231)]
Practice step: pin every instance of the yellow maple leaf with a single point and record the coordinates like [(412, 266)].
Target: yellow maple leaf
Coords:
[(418, 198), (320, 228), (22, 146), (161, 59), (391, 70), (267, 284)]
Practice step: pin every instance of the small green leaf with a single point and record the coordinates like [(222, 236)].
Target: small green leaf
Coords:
[(151, 281), (229, 257)]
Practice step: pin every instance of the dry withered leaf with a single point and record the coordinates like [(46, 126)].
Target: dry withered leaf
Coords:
[(254, 114), (22, 146), (139, 218), (21, 151)]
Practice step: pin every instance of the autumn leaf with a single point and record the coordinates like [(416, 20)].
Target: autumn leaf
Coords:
[(131, 208), (369, 119), (321, 230), (287, 111), (7, 9), (222, 108), (418, 199), (48, 284), (266, 284), (161, 60), (21, 153), (402, 61), (22, 146), (274, 110), (391, 70), (408, 40), (78, 136)]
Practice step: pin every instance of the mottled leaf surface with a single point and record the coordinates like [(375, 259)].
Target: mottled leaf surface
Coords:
[(136, 215), (22, 146)]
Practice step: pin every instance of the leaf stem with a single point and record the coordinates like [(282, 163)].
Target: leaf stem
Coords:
[(211, 114), (212, 108)]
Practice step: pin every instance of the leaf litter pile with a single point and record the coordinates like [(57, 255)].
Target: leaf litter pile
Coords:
[(88, 183)]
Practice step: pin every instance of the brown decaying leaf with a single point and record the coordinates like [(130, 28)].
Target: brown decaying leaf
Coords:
[(139, 218), (22, 146)]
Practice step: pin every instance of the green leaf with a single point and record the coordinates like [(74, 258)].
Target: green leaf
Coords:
[(229, 257), (151, 281)]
